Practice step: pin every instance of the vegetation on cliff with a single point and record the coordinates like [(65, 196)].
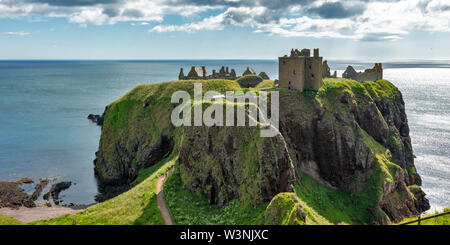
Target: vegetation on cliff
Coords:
[(285, 209), (137, 206), (346, 146), (440, 220), (194, 209)]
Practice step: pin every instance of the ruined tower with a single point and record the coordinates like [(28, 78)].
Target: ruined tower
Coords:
[(300, 71), (181, 75)]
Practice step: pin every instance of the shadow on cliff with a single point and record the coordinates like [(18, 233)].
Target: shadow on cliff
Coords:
[(148, 212)]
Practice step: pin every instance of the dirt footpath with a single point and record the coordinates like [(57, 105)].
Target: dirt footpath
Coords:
[(26, 215), (162, 205)]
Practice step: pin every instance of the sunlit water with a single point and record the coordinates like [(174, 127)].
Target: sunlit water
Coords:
[(44, 131)]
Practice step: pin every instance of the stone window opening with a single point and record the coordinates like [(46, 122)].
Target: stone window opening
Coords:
[(293, 72), (284, 62), (312, 75), (309, 67)]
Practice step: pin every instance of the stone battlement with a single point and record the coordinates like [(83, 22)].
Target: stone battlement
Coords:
[(302, 71), (200, 73)]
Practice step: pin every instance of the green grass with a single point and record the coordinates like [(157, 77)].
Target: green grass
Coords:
[(127, 118), (284, 210), (147, 172), (335, 206), (441, 220), (6, 220), (192, 209), (381, 88), (137, 206), (266, 84), (338, 206)]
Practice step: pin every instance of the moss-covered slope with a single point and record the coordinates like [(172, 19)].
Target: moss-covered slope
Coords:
[(348, 142)]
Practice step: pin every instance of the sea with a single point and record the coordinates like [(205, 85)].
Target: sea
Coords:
[(45, 133)]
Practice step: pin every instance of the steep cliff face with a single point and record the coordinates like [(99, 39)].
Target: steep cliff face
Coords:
[(225, 163), (355, 137), (350, 137)]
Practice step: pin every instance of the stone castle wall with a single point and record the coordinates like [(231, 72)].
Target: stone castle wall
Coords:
[(200, 73), (373, 74), (300, 71)]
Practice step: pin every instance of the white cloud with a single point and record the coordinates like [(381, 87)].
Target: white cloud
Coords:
[(17, 33), (375, 20)]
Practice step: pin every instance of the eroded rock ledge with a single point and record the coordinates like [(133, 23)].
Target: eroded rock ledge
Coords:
[(348, 135)]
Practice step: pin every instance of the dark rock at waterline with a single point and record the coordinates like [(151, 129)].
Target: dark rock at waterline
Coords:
[(13, 196), (109, 173), (98, 119), (108, 191), (39, 188), (26, 180), (56, 189)]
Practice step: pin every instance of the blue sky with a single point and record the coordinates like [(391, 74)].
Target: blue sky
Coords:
[(223, 29)]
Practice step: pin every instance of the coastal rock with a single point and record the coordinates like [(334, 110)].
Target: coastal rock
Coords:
[(56, 189), (109, 173), (422, 204), (98, 119), (351, 136), (26, 180), (39, 188), (13, 196), (225, 163)]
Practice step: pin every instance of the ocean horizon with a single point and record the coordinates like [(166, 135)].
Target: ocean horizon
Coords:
[(44, 106)]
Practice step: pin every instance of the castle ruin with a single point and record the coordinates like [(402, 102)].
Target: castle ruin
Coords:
[(302, 71), (373, 74), (200, 73), (298, 71)]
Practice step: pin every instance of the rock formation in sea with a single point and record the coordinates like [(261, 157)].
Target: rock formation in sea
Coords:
[(348, 136)]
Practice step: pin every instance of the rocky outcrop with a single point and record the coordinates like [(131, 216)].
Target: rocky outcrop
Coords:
[(225, 163), (13, 196), (26, 180), (348, 136), (39, 188), (98, 119), (55, 190), (132, 156)]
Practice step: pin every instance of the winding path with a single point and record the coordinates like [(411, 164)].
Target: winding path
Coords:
[(26, 215), (162, 205)]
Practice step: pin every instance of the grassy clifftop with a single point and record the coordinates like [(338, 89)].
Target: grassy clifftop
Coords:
[(348, 143), (137, 206)]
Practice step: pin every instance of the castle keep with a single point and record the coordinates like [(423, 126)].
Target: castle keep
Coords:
[(300, 71)]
